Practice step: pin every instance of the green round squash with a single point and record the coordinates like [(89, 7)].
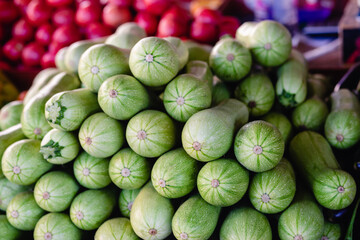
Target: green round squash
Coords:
[(270, 43), (259, 146), (101, 136), (91, 208), (100, 62), (281, 122), (92, 172), (195, 219), (222, 182), (55, 191), (116, 229), (60, 59), (151, 214), (8, 190), (272, 191), (247, 224), (56, 226), (229, 60), (8, 232), (59, 147), (23, 213), (23, 164), (122, 96), (332, 231), (126, 200), (10, 114), (258, 93), (181, 50), (310, 115), (342, 128), (220, 92), (174, 174), (129, 170), (150, 133), (126, 35), (154, 61), (186, 95)]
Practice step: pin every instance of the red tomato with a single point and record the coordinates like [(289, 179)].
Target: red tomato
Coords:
[(97, 30), (63, 16), (121, 3), (229, 25), (147, 21), (208, 16), (59, 3), (44, 34), (114, 15), (48, 60), (13, 49), (23, 30), (67, 34), (204, 32), (32, 54), (38, 12), (157, 7), (88, 12), (179, 13), (170, 26), (139, 5), (8, 12), (54, 47)]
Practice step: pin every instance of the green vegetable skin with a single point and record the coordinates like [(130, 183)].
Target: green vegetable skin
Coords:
[(342, 126), (8, 137), (126, 35), (10, 114), (270, 43), (281, 122), (92, 172), (257, 92), (55, 191), (208, 134), (174, 174), (59, 147), (60, 59), (122, 96), (332, 231), (243, 33), (126, 200), (229, 60), (33, 119), (23, 164), (245, 223), (8, 190), (222, 182), (8, 232), (154, 61), (56, 226), (318, 85), (273, 191), (91, 208), (40, 81), (310, 115), (302, 220), (220, 92), (150, 133), (73, 54), (23, 213), (67, 110), (291, 87), (186, 95), (201, 70), (128, 170), (116, 229), (151, 214), (100, 62), (313, 158), (259, 146), (181, 50), (101, 136), (195, 219), (198, 51)]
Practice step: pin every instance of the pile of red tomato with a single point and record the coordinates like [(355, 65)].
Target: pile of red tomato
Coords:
[(32, 31)]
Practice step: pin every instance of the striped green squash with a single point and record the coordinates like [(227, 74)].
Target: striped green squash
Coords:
[(116, 229), (126, 200)]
